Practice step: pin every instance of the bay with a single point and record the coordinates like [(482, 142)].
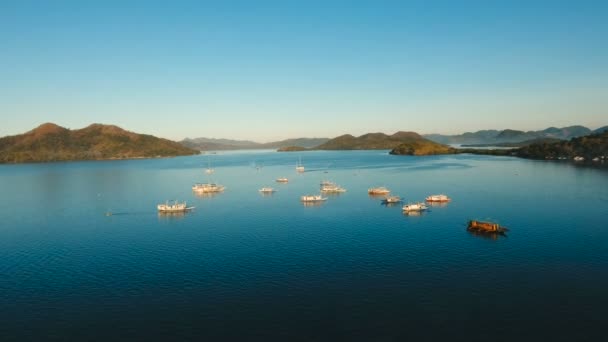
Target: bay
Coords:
[(246, 266)]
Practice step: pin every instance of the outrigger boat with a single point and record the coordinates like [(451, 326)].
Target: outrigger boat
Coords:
[(313, 198), (208, 187), (332, 188), (438, 198), (175, 207), (391, 199), (415, 207)]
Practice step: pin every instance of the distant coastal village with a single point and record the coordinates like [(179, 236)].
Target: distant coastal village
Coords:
[(50, 142)]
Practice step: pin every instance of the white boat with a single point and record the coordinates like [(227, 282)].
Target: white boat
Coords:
[(438, 198), (326, 182), (312, 198), (173, 207), (208, 187), (392, 199), (209, 170), (415, 207), (267, 190), (332, 188), (299, 166), (282, 180), (378, 191)]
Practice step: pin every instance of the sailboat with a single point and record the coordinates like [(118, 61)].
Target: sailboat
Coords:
[(209, 170), (299, 166)]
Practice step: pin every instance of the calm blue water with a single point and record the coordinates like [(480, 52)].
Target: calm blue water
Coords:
[(245, 266)]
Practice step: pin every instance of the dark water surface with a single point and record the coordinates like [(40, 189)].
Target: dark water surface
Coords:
[(250, 267)]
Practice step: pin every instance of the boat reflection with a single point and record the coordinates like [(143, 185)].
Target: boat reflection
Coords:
[(414, 213), (166, 215), (390, 204), (487, 235), (313, 204), (437, 204), (199, 194)]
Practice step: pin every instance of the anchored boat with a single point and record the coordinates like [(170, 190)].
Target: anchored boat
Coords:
[(313, 198), (174, 207), (332, 188), (378, 191), (267, 190), (391, 199), (486, 227), (208, 187), (299, 166), (438, 198), (415, 207)]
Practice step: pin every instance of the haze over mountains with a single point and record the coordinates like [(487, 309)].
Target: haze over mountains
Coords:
[(513, 136), (506, 137), (210, 144)]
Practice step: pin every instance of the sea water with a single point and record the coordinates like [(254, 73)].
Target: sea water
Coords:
[(84, 255)]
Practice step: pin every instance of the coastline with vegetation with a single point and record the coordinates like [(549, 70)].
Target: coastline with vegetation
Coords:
[(51, 143)]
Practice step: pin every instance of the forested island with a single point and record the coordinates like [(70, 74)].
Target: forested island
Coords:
[(593, 147), (50, 142)]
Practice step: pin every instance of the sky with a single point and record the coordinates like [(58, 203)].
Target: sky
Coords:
[(270, 70)]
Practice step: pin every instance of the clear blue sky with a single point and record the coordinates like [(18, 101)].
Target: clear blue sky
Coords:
[(268, 70)]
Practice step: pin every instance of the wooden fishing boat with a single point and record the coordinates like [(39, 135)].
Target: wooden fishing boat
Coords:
[(486, 227)]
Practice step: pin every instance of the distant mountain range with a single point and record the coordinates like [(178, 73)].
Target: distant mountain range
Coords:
[(493, 137), (50, 142), (209, 144), (409, 143)]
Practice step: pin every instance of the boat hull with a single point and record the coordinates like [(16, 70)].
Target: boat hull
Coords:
[(486, 227)]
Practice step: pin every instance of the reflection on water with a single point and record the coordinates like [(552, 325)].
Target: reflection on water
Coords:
[(200, 194), (313, 204), (437, 204), (332, 194), (487, 235), (226, 269), (414, 213), (172, 215)]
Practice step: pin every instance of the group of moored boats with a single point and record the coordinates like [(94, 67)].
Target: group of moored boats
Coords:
[(326, 187), (410, 207), (329, 187)]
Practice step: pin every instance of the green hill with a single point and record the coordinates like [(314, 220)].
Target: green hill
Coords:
[(291, 149), (421, 147), (50, 142), (588, 147), (371, 141)]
